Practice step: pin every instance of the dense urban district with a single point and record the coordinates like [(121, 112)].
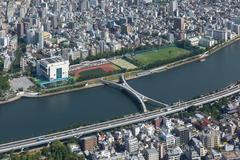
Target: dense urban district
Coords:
[(52, 46)]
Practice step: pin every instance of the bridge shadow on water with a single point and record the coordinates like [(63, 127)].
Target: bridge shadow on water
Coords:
[(136, 101), (132, 98)]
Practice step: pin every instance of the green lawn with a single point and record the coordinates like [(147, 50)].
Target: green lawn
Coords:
[(93, 73), (161, 55)]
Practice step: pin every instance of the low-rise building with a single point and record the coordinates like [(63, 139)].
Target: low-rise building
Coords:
[(53, 68), (206, 42), (151, 154), (88, 143)]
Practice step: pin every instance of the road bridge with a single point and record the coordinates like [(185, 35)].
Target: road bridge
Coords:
[(140, 97), (127, 120), (144, 97), (123, 86)]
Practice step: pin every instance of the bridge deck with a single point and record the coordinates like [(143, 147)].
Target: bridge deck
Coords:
[(36, 141), (147, 99)]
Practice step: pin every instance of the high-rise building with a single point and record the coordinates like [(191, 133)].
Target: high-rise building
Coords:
[(83, 5), (131, 145), (211, 139), (31, 36), (102, 46), (174, 153), (162, 150), (173, 7), (20, 29), (179, 24), (102, 4), (56, 6), (184, 134), (198, 146), (219, 35), (126, 29), (93, 3), (40, 38)]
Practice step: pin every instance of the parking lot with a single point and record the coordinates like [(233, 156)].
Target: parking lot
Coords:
[(21, 84)]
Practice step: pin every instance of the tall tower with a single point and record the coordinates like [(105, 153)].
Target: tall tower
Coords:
[(20, 29), (173, 7), (40, 39)]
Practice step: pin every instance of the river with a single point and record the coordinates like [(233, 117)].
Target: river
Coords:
[(29, 117)]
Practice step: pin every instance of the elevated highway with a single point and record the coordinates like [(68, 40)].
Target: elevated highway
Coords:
[(45, 139)]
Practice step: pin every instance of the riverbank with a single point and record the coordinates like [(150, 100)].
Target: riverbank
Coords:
[(22, 118), (129, 75), (10, 100)]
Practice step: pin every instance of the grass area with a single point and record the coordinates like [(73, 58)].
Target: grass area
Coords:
[(93, 72), (165, 54), (96, 73), (123, 64)]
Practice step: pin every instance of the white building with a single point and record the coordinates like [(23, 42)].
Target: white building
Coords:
[(199, 147), (168, 138), (174, 153), (41, 38), (131, 145), (194, 41), (53, 68), (151, 154), (206, 42), (4, 41)]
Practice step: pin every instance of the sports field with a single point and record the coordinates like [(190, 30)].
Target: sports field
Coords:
[(123, 64), (99, 69), (165, 54)]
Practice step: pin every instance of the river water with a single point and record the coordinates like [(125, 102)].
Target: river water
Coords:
[(29, 117)]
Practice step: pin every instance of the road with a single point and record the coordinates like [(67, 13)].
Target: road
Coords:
[(36, 141)]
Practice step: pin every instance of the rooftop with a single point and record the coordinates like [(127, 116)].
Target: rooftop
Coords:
[(52, 60)]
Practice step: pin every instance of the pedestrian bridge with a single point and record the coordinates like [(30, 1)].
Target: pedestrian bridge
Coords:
[(142, 99)]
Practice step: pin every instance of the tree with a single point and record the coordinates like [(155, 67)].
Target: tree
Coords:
[(1, 64), (170, 53), (4, 84), (58, 150), (18, 55)]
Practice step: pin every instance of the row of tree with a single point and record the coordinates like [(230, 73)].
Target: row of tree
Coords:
[(4, 83), (56, 151)]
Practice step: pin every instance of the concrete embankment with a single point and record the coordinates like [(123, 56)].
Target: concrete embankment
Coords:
[(129, 77)]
